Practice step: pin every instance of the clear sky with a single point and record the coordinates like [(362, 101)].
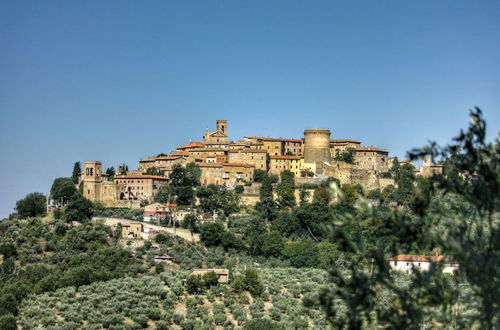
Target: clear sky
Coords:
[(117, 81)]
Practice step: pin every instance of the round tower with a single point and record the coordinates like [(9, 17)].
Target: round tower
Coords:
[(316, 145)]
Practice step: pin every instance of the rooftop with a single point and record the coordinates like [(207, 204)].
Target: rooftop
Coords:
[(416, 257), (370, 148), (140, 176), (285, 157), (191, 145)]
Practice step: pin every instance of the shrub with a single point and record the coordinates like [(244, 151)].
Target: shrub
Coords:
[(8, 322)]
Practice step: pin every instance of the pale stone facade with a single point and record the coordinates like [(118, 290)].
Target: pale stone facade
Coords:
[(131, 230), (410, 263), (226, 163), (371, 158), (278, 164), (250, 156), (124, 191)]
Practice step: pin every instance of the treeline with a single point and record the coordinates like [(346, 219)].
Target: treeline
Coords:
[(43, 257)]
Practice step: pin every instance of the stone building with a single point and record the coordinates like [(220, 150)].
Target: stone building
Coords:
[(250, 156), (208, 155), (410, 263), (228, 163), (219, 136), (341, 145), (226, 174), (371, 158), (161, 163), (317, 145), (222, 274), (429, 169), (131, 230), (123, 191), (278, 164)]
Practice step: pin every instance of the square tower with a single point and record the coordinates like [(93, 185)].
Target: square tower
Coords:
[(92, 180), (222, 126)]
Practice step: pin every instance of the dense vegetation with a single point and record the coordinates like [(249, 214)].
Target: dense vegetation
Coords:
[(161, 302), (64, 271)]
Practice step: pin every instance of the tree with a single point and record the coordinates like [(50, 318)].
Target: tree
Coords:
[(272, 244), (259, 324), (33, 205), (304, 195), (62, 190), (322, 195), (346, 156), (259, 175), (77, 171), (249, 281), (253, 282), (266, 206), (215, 198), (306, 173), (182, 181), (211, 233), (154, 171), (8, 322), (457, 213), (405, 179), (123, 169), (164, 194), (194, 284), (210, 279), (350, 195), (191, 222), (286, 190), (110, 172), (78, 209), (301, 253)]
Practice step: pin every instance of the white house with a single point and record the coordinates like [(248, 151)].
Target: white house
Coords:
[(408, 263)]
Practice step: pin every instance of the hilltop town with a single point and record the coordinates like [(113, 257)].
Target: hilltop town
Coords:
[(312, 159)]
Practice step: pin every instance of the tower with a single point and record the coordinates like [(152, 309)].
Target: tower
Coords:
[(92, 179), (317, 145), (222, 126)]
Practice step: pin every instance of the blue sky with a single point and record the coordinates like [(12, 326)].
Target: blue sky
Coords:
[(120, 80)]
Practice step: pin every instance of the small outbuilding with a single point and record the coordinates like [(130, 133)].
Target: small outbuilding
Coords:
[(408, 263), (222, 273)]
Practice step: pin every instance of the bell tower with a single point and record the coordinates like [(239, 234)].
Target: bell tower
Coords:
[(222, 126), (92, 179)]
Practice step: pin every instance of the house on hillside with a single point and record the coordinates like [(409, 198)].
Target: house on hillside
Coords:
[(408, 263), (157, 211), (222, 273), (131, 230)]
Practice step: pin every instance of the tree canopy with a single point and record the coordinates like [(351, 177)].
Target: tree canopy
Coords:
[(33, 205)]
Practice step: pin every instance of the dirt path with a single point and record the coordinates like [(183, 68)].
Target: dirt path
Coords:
[(183, 233)]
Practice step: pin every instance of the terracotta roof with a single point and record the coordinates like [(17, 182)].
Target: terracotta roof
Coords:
[(370, 148), (209, 164), (141, 176), (247, 150), (344, 141), (416, 257), (169, 157), (181, 153), (191, 145), (208, 149), (216, 143), (237, 165), (292, 140), (220, 271), (285, 157), (149, 159)]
